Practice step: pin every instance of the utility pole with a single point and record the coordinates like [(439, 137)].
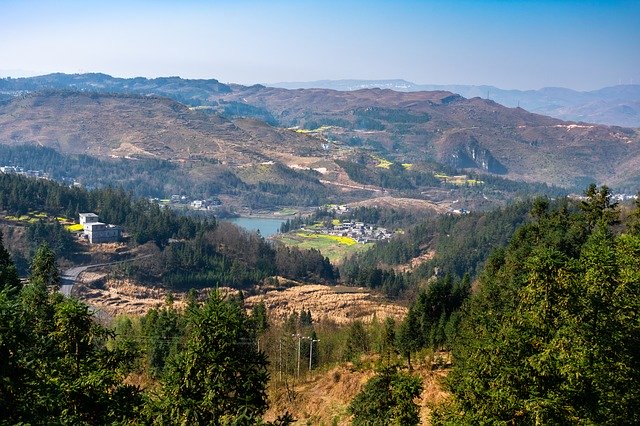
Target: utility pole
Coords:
[(299, 340), (280, 356)]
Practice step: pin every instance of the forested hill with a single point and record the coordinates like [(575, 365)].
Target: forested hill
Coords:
[(58, 365), (202, 254), (443, 245), (552, 336), (549, 332)]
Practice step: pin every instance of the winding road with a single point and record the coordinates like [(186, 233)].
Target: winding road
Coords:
[(70, 276)]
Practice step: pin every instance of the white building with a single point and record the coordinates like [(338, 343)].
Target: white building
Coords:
[(88, 218), (98, 232)]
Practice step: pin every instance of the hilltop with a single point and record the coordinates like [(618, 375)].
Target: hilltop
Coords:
[(614, 106), (105, 125)]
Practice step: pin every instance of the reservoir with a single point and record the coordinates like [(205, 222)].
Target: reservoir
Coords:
[(266, 226)]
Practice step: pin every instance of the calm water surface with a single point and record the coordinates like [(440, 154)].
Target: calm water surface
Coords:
[(266, 226)]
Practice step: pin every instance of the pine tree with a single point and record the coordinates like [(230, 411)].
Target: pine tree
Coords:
[(44, 269), (409, 336), (218, 375), (8, 273), (552, 336), (387, 399)]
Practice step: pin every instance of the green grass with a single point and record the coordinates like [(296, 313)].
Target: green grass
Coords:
[(313, 131), (288, 212), (335, 247), (33, 217), (383, 163), (458, 180)]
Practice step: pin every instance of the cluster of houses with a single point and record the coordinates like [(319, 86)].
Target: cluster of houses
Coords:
[(194, 204), (37, 174), (97, 232), (16, 170), (359, 231), (338, 209)]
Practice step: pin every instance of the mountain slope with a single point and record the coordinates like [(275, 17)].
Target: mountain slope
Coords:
[(127, 125), (465, 133), (189, 92), (364, 126), (617, 105)]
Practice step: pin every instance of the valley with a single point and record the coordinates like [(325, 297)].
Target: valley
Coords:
[(406, 215)]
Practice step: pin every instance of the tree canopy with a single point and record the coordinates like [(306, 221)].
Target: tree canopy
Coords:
[(553, 334)]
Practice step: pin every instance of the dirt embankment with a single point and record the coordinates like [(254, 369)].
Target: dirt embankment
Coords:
[(324, 397)]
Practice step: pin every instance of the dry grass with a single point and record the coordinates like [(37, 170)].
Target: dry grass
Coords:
[(402, 203), (119, 296), (415, 262), (323, 398), (339, 304)]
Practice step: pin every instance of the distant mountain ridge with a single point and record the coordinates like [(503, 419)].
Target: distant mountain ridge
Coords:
[(330, 130), (186, 91), (616, 105)]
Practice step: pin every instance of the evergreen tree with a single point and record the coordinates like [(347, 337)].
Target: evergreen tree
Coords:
[(409, 336), (634, 225), (218, 376), (387, 399), (44, 269), (551, 337), (163, 331), (260, 318), (8, 273), (388, 341), (357, 341)]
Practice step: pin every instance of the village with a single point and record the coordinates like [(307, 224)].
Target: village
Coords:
[(361, 232), (37, 174), (17, 170)]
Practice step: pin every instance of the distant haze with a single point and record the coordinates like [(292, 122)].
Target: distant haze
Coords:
[(582, 45)]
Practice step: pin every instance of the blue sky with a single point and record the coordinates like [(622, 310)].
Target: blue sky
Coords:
[(510, 44)]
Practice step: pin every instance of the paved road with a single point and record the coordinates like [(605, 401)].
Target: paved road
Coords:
[(70, 276)]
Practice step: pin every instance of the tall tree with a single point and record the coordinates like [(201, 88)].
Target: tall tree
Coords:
[(409, 336), (44, 269), (8, 272), (219, 374), (387, 399)]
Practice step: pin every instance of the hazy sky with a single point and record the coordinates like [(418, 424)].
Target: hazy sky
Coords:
[(509, 44)]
